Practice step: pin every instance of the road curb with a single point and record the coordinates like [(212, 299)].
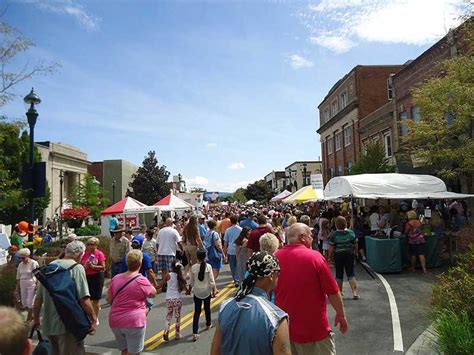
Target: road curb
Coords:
[(423, 344)]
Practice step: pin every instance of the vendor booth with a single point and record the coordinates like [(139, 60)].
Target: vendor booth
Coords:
[(127, 210), (391, 254), (305, 194), (173, 203), (282, 195)]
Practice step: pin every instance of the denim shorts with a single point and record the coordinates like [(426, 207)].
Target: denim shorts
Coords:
[(130, 339), (416, 249)]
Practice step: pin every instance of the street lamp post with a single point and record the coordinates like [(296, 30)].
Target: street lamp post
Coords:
[(32, 99), (114, 183), (304, 174), (61, 182)]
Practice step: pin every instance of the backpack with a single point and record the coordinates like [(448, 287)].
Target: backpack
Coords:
[(62, 290), (212, 253)]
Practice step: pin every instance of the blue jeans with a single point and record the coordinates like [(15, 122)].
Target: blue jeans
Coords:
[(233, 266), (115, 269)]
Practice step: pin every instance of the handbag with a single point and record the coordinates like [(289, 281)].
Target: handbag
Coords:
[(43, 347)]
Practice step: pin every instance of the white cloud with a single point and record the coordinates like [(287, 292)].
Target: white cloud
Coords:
[(340, 25), (236, 166), (197, 181), (229, 186), (298, 62), (71, 8), (211, 145)]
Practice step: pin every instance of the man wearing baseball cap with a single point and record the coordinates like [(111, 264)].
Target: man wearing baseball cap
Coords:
[(147, 267)]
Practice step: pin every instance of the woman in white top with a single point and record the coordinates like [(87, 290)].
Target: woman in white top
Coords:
[(374, 219), (25, 281), (176, 284), (203, 288)]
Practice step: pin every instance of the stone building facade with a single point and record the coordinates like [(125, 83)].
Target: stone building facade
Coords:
[(276, 181), (298, 174), (360, 92), (69, 160)]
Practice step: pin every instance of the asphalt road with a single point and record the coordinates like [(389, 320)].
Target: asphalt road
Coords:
[(370, 320)]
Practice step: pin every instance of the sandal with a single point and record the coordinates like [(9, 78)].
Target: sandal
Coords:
[(166, 336), (355, 297), (195, 337)]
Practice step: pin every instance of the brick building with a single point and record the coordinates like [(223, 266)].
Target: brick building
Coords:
[(360, 92), (411, 76)]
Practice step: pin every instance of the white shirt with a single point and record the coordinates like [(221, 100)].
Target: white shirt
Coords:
[(374, 221), (172, 290), (167, 241), (202, 289), (24, 273)]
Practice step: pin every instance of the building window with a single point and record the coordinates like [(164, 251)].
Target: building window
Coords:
[(387, 141), (337, 137), (349, 167), (415, 113), (347, 136), (326, 115), (339, 170), (390, 87), (343, 99), (364, 146), (329, 145), (331, 173), (403, 124), (334, 108)]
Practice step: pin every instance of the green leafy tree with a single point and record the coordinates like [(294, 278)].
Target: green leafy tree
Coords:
[(443, 138), (238, 196), (150, 183), (373, 161), (259, 191), (14, 152), (89, 194)]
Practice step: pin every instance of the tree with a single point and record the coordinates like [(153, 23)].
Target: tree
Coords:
[(12, 44), (14, 152), (238, 196), (150, 183), (90, 195), (374, 161), (259, 191), (443, 138)]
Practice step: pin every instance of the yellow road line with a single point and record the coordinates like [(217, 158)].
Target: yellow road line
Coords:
[(229, 286), (221, 297)]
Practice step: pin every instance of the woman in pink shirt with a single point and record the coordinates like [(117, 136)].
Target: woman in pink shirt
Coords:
[(127, 295), (94, 264)]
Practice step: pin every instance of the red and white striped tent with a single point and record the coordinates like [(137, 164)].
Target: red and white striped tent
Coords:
[(173, 203), (126, 205)]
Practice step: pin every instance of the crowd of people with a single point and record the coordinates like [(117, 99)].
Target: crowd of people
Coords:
[(271, 251)]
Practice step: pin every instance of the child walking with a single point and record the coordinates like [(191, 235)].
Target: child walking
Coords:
[(203, 288), (176, 284)]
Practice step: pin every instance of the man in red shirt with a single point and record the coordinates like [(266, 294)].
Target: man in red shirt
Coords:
[(253, 244), (306, 271)]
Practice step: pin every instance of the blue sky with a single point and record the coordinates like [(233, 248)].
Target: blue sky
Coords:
[(223, 91)]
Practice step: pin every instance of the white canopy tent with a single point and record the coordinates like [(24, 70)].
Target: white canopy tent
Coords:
[(250, 202), (389, 186), (281, 196), (173, 203)]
